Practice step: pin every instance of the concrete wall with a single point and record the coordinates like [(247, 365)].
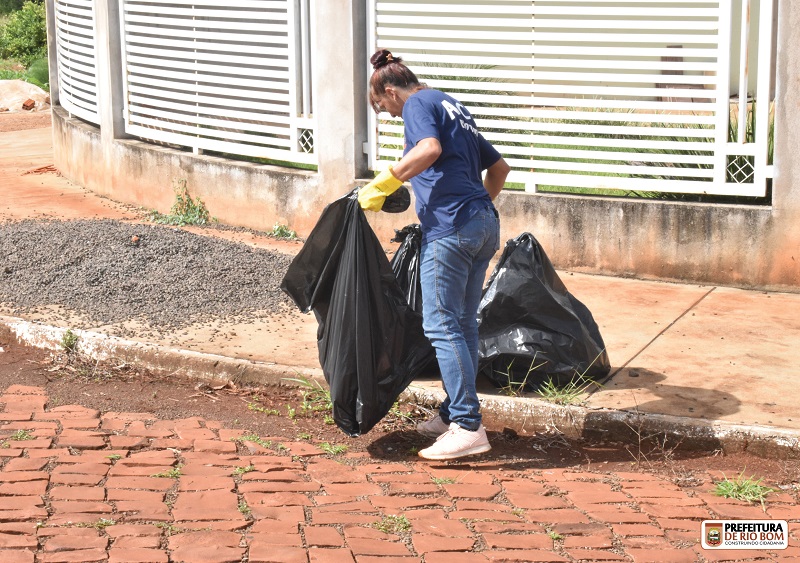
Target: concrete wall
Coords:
[(745, 246)]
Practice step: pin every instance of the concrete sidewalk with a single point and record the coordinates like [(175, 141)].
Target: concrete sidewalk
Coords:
[(712, 364)]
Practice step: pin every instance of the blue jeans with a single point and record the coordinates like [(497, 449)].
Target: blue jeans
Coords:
[(452, 272)]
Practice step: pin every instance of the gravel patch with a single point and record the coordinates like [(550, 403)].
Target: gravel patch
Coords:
[(110, 272)]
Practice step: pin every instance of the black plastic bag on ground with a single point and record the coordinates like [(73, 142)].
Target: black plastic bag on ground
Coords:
[(371, 344), (531, 327)]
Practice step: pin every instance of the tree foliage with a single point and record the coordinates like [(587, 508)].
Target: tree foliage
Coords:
[(24, 37)]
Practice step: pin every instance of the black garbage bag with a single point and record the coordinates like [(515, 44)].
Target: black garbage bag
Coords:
[(531, 328), (405, 264), (371, 343)]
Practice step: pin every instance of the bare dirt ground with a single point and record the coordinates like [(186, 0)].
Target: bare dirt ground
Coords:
[(18, 121)]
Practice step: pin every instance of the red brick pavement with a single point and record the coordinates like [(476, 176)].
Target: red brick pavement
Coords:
[(84, 486)]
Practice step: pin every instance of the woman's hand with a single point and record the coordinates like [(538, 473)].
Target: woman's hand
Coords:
[(372, 196)]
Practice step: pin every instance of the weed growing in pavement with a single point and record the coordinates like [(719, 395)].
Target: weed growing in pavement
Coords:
[(573, 392), (21, 435), (256, 407), (555, 536), (185, 210), (100, 525), (304, 436), (392, 524), (517, 388), (443, 480), (168, 528), (743, 488), (397, 413), (114, 457), (173, 473), (76, 364), (255, 438), (570, 394), (241, 470), (656, 444), (244, 509), (333, 449), (283, 232), (316, 398), (69, 341)]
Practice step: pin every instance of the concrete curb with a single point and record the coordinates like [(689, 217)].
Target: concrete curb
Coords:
[(520, 414), (654, 431), (187, 363)]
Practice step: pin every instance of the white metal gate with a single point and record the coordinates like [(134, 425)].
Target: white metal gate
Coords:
[(230, 77), (635, 95), (75, 53)]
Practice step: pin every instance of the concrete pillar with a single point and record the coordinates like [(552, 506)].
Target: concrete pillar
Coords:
[(108, 40), (339, 90), (52, 51), (784, 245), (787, 117)]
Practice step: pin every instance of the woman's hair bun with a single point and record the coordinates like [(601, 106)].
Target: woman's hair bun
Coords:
[(382, 58)]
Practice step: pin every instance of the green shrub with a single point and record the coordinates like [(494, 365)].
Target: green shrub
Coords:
[(24, 37), (11, 74), (9, 6), (39, 74)]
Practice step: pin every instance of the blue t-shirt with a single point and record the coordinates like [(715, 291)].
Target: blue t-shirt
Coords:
[(451, 191)]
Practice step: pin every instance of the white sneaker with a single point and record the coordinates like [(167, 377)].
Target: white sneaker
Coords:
[(433, 428), (458, 442)]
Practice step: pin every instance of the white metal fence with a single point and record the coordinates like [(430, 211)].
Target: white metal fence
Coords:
[(231, 77), (639, 95), (75, 52)]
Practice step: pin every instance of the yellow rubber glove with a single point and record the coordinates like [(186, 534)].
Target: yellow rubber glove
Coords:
[(372, 196)]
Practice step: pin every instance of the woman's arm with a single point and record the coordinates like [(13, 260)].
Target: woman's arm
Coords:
[(420, 158), (496, 177)]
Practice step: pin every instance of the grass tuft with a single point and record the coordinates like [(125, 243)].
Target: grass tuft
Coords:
[(517, 388), (21, 436), (173, 473), (283, 232), (392, 524), (333, 449), (185, 210), (570, 394), (69, 342), (741, 488), (316, 397)]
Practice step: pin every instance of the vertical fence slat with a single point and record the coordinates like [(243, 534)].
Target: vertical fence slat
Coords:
[(744, 60), (763, 130)]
